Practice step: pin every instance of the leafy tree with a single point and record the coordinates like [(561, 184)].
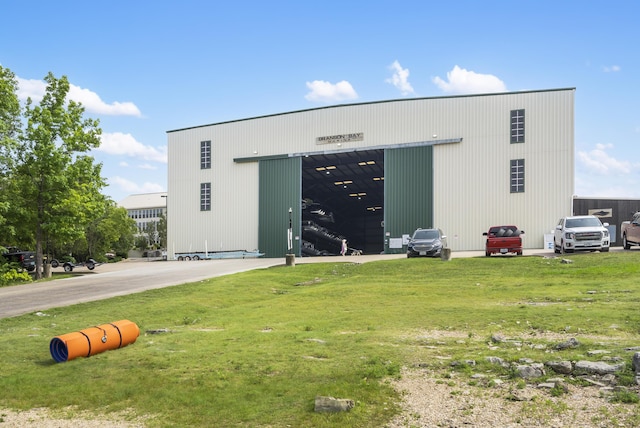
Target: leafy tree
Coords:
[(151, 233), (113, 230), (141, 242), (10, 112), (162, 231), (55, 184)]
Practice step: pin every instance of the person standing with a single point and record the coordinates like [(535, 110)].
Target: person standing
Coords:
[(343, 249)]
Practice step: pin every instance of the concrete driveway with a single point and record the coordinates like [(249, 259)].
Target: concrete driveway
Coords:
[(116, 279), (133, 276)]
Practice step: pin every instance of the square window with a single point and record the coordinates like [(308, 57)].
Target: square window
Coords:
[(205, 196), (517, 176), (517, 126), (205, 154)]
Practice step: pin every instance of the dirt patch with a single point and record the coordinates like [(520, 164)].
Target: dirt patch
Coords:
[(68, 418), (429, 401)]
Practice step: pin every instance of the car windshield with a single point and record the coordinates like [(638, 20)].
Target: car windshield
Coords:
[(426, 234), (583, 222)]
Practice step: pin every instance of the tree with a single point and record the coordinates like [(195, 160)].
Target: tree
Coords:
[(55, 184), (150, 230), (162, 231), (9, 132), (113, 230)]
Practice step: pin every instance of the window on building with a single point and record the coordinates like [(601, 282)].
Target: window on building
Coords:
[(517, 126), (205, 196), (517, 176), (205, 154)]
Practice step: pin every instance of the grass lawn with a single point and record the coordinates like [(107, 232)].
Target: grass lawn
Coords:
[(256, 348)]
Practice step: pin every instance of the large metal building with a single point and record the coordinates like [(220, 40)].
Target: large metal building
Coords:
[(371, 173)]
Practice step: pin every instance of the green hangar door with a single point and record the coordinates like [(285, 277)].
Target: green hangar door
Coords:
[(279, 190), (408, 194)]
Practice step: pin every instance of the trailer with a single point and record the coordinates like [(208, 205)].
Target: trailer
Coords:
[(212, 255), (69, 266)]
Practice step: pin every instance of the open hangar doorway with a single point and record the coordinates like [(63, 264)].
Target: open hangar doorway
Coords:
[(342, 198)]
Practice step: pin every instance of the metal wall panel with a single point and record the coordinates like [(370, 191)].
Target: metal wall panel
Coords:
[(232, 222), (408, 190), (280, 189), (472, 178)]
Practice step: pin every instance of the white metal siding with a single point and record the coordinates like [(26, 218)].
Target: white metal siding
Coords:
[(231, 224), (471, 178)]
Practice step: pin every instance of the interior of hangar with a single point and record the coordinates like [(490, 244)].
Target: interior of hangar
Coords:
[(342, 198)]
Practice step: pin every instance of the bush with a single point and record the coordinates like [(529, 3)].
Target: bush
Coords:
[(9, 275)]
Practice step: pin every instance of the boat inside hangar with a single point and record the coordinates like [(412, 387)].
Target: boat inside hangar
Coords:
[(342, 198)]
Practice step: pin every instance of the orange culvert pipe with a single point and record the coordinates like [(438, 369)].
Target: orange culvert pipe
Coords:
[(93, 340)]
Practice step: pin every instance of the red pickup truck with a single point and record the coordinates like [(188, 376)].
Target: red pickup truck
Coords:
[(503, 240), (630, 231)]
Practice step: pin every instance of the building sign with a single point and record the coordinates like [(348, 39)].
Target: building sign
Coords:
[(342, 138), (602, 212)]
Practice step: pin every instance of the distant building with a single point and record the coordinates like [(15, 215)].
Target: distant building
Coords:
[(609, 210), (145, 208)]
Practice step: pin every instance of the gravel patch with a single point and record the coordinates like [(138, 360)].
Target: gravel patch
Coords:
[(430, 401), (46, 418)]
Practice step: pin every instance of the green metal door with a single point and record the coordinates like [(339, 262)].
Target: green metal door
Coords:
[(408, 193), (280, 188)]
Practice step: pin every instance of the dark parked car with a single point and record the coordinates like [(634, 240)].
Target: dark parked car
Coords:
[(25, 259), (426, 243), (503, 240)]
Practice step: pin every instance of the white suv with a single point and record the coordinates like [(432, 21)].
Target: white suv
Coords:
[(584, 232)]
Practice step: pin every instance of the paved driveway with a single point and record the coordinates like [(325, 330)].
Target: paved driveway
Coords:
[(116, 279)]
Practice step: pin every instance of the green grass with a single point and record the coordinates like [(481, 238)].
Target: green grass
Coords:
[(256, 348)]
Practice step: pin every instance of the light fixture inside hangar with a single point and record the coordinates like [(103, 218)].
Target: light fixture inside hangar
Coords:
[(342, 198)]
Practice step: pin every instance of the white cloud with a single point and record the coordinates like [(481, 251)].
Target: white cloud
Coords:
[(147, 166), (611, 69), (598, 161), (33, 89), (130, 187), (91, 101), (322, 91), (400, 78), (600, 188), (118, 143), (461, 81)]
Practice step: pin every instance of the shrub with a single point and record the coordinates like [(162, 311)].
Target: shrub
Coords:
[(9, 275)]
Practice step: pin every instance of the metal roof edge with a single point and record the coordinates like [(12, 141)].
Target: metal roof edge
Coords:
[(371, 103)]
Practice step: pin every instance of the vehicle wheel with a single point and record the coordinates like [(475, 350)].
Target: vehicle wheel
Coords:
[(556, 250), (519, 253), (196, 258), (91, 266), (68, 268), (487, 254), (187, 258), (604, 250), (625, 243), (54, 263)]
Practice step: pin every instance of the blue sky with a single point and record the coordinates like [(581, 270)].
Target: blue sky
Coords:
[(146, 67)]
